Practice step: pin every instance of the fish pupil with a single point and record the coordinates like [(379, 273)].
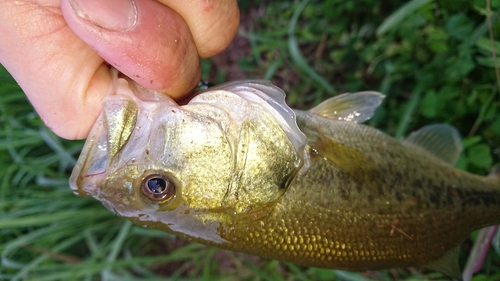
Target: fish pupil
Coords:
[(157, 185)]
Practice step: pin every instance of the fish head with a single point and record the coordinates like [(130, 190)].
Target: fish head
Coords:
[(190, 169)]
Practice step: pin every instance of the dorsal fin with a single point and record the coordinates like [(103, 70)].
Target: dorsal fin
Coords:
[(441, 140), (357, 107)]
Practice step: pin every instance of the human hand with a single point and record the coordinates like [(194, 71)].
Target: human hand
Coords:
[(56, 51)]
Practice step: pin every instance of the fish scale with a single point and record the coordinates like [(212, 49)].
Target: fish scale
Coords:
[(326, 225), (423, 225)]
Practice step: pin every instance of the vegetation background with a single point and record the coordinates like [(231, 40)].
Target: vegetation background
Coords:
[(434, 59)]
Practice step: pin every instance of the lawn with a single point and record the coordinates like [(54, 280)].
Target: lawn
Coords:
[(434, 60)]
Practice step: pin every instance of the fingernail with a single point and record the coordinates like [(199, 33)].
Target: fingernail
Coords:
[(115, 15)]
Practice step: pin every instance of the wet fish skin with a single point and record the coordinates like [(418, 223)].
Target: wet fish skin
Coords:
[(362, 200), (412, 212)]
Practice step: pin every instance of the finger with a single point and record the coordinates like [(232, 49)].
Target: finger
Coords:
[(62, 76), (212, 23), (44, 56), (144, 39)]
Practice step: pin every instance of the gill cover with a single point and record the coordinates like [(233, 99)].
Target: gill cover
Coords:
[(267, 144)]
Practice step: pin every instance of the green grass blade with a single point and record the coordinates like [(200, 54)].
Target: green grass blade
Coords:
[(402, 13), (411, 106), (296, 54)]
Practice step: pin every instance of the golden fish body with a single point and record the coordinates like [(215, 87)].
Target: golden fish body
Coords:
[(237, 168), (391, 207)]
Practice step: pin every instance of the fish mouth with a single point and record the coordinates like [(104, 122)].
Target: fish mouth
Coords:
[(109, 135), (125, 105), (90, 170)]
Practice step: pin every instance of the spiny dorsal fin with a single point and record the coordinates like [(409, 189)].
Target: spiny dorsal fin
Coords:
[(448, 264), (357, 107), (441, 140)]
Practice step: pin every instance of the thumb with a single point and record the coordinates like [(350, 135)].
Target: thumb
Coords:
[(143, 39)]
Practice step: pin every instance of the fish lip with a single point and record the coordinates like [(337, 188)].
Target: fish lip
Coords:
[(95, 161), (90, 170)]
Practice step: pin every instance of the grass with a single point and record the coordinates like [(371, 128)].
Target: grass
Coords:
[(434, 60)]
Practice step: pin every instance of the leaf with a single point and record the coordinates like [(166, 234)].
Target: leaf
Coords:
[(484, 44), (395, 18), (469, 142), (431, 105), (437, 39), (461, 162), (459, 26), (495, 127), (480, 156), (487, 61), (459, 67)]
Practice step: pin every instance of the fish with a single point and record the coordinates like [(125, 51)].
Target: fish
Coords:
[(237, 168)]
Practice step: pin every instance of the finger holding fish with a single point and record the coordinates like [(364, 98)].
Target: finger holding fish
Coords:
[(60, 51)]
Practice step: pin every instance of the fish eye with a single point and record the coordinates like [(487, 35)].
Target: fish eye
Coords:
[(158, 187)]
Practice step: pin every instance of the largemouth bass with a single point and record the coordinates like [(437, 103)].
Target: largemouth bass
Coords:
[(237, 168)]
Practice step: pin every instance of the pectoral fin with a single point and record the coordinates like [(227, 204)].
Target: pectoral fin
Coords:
[(441, 140), (356, 163), (357, 107)]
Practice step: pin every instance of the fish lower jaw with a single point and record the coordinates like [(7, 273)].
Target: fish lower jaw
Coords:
[(87, 185)]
